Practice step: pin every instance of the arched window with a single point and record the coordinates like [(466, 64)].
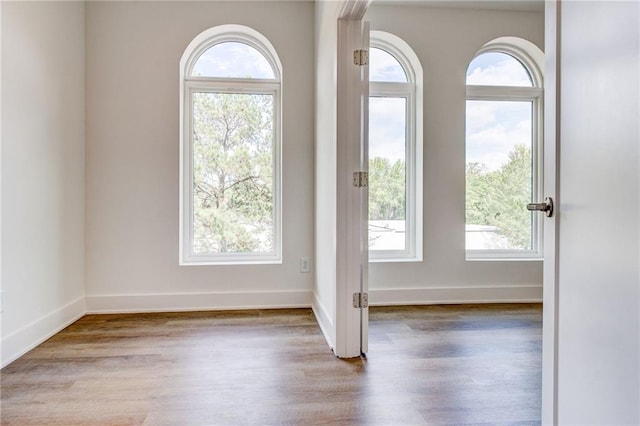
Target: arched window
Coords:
[(504, 151), (395, 150), (230, 96)]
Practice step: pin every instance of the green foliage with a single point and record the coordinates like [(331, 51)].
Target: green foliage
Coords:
[(232, 172), (499, 198), (386, 189)]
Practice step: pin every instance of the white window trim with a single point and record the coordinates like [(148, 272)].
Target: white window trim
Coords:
[(530, 60), (189, 85), (412, 90)]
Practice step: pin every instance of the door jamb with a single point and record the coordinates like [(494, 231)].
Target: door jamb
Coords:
[(349, 133), (552, 125)]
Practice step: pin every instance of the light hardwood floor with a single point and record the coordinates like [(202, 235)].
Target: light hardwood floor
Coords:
[(436, 365)]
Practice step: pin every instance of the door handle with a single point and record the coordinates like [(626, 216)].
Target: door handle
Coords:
[(546, 207)]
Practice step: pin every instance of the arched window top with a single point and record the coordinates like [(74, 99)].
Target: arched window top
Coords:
[(498, 69), (383, 66), (392, 60), (230, 149), (395, 150), (231, 51), (232, 59), (507, 62), (503, 150)]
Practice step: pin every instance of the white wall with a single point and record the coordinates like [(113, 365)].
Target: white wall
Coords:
[(326, 45), (133, 53), (445, 40), (43, 169), (598, 358), (131, 260)]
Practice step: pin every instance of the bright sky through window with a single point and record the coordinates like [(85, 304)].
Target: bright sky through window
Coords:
[(395, 150), (387, 153), (387, 178), (384, 67), (501, 175), (494, 129), (233, 60), (231, 149), (497, 69), (387, 127)]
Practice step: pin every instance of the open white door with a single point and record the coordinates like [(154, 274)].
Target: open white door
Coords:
[(364, 193), (341, 150), (592, 295), (352, 214)]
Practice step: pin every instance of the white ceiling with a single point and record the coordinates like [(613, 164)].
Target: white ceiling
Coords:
[(520, 5)]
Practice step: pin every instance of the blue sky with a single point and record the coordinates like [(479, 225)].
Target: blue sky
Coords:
[(387, 119), (387, 116), (232, 59), (492, 128), (497, 69), (384, 67)]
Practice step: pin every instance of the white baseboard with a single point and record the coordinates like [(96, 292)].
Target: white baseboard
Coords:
[(324, 321), (456, 295), (28, 337), (180, 302)]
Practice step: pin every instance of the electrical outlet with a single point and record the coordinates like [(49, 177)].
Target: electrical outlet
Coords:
[(305, 264)]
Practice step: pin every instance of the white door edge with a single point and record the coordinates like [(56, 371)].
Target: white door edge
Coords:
[(349, 264), (550, 270)]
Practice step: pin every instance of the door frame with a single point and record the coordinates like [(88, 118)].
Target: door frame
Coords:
[(351, 256), (551, 189), (347, 320)]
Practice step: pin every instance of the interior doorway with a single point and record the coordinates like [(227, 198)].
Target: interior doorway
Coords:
[(444, 272)]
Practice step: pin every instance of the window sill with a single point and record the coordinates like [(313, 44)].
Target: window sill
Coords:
[(395, 260), (503, 259), (229, 262)]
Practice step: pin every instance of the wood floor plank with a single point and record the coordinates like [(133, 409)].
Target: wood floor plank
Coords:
[(436, 365)]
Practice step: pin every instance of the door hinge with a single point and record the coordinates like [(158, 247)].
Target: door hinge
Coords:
[(360, 300), (361, 57), (360, 179)]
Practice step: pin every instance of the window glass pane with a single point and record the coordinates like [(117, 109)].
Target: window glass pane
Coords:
[(233, 60), (387, 176), (233, 204), (384, 67), (499, 175), (497, 69)]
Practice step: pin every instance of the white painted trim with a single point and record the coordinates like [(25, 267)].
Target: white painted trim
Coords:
[(184, 302), (350, 243), (28, 337), (189, 84), (226, 33), (412, 91), (353, 10), (505, 93), (1, 144), (526, 52), (1, 299), (31, 335), (532, 59), (365, 42), (456, 295), (325, 322), (551, 189)]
